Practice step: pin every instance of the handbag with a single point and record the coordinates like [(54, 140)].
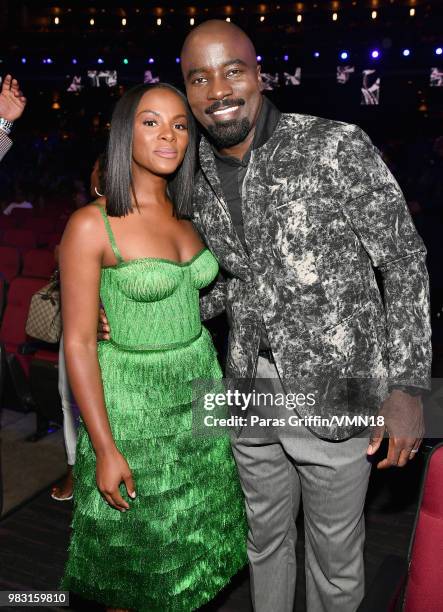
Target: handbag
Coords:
[(44, 318)]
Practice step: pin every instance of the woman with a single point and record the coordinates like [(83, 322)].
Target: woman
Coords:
[(173, 530)]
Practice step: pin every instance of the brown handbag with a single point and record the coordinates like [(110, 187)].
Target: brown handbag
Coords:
[(44, 318)]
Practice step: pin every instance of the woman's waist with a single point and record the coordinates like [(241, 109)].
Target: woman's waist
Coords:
[(164, 342)]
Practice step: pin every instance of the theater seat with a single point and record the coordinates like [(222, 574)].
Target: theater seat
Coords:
[(9, 262), (38, 263), (20, 238), (39, 224), (415, 584)]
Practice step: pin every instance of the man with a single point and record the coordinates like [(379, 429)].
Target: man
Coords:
[(12, 105), (298, 211)]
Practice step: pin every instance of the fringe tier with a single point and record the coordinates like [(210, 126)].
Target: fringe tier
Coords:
[(184, 536)]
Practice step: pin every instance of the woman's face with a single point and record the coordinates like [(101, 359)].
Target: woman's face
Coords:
[(160, 134)]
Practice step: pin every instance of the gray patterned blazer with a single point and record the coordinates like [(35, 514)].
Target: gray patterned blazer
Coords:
[(321, 211)]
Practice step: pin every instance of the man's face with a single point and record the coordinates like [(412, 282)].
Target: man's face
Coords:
[(223, 86)]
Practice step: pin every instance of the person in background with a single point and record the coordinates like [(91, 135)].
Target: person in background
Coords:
[(64, 491), (12, 105)]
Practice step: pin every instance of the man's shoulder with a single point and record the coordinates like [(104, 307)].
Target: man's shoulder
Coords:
[(299, 124)]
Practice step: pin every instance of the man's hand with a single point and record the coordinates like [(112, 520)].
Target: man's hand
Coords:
[(404, 422), (12, 100), (103, 331)]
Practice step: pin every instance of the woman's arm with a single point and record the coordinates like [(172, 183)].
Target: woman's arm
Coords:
[(81, 253)]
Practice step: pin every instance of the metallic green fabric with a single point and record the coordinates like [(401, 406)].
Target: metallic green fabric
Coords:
[(185, 533)]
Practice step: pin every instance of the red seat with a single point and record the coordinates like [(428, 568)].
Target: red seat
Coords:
[(54, 239), (414, 584), (424, 590), (12, 331), (7, 222), (9, 262), (38, 263), (21, 238), (39, 224)]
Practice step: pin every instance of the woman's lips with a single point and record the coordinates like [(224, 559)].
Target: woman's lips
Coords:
[(168, 153)]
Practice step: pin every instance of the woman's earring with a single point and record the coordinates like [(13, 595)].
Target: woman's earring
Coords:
[(100, 195)]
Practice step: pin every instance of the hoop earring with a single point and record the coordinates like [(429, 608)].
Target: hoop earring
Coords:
[(100, 195)]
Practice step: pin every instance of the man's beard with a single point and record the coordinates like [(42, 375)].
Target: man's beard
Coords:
[(229, 133)]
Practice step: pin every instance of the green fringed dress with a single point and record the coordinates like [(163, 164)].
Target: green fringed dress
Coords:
[(185, 533)]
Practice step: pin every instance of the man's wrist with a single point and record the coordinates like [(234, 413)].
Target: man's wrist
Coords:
[(6, 125), (413, 391)]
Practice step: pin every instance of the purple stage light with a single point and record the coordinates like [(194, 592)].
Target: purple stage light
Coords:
[(316, 54), (259, 58), (23, 60), (74, 60), (406, 52), (344, 55), (177, 60), (286, 58), (438, 51), (151, 60), (375, 54), (100, 60)]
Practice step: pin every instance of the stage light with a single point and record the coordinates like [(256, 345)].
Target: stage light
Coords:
[(262, 18), (151, 60), (192, 21), (228, 19), (344, 55), (177, 60), (375, 54), (406, 52), (91, 22), (334, 16), (316, 53), (159, 21), (100, 60), (48, 60), (374, 15), (299, 18), (412, 12), (286, 57), (56, 20), (259, 58), (438, 51), (125, 61), (124, 22), (23, 60), (74, 60)]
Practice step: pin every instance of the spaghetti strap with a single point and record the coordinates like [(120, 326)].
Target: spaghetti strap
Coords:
[(110, 233)]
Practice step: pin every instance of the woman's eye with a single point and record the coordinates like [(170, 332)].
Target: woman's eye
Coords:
[(181, 126), (149, 122)]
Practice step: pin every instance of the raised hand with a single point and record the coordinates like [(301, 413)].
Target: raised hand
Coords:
[(12, 100)]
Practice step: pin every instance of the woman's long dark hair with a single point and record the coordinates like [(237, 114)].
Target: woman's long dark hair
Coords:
[(119, 185)]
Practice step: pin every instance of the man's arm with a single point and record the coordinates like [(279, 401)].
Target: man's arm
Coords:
[(5, 144), (377, 211), (12, 105), (213, 299)]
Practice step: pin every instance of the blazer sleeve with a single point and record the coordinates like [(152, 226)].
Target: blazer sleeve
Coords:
[(375, 208), (5, 144), (212, 298)]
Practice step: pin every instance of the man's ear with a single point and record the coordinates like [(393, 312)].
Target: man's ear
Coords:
[(259, 79)]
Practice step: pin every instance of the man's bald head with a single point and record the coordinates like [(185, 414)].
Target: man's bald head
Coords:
[(223, 82), (215, 30)]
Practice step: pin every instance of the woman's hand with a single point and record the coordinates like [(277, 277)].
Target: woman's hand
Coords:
[(111, 469)]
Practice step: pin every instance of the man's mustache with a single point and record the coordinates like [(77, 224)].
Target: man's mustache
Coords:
[(223, 104)]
